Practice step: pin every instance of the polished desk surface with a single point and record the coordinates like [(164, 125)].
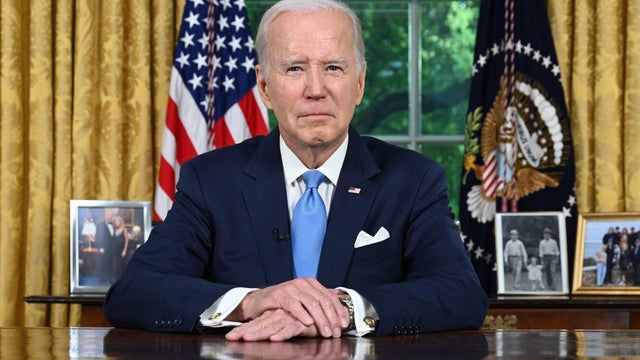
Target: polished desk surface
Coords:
[(95, 343)]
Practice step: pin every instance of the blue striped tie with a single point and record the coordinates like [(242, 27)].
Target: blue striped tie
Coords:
[(308, 226)]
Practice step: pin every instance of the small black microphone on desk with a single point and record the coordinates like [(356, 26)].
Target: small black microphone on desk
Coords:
[(277, 236)]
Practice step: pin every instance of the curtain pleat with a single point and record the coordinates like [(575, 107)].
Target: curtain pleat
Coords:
[(63, 30), (38, 159), (631, 123), (14, 82), (608, 106)]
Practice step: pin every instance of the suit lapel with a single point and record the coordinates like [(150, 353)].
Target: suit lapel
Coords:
[(352, 200), (265, 200)]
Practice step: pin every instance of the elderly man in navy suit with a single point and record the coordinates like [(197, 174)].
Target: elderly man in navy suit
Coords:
[(228, 255)]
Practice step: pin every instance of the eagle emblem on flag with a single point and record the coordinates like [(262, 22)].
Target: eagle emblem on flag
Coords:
[(522, 148)]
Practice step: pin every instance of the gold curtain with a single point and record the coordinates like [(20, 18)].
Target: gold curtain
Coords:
[(84, 88), (599, 53)]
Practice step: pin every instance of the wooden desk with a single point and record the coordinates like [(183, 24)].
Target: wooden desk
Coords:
[(62, 343), (570, 312), (574, 312)]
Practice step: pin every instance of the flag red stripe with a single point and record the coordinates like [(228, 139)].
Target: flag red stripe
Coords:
[(255, 120), (167, 178), (184, 148), (222, 135)]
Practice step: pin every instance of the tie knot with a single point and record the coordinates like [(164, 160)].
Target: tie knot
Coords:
[(312, 178)]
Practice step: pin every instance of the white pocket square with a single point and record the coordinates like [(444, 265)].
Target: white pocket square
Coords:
[(365, 239)]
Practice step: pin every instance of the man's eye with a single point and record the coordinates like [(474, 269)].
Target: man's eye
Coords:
[(294, 69), (334, 68)]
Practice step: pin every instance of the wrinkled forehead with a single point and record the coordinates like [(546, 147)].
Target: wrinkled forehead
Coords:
[(293, 28)]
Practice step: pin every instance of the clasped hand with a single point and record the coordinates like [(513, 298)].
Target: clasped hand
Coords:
[(299, 307)]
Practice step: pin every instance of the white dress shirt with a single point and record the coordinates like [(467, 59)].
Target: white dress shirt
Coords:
[(215, 315)]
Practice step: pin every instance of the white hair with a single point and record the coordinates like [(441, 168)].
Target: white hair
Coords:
[(307, 6)]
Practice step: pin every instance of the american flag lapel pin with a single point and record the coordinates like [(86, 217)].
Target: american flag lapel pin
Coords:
[(354, 190)]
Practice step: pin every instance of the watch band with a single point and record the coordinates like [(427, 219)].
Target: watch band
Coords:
[(345, 299)]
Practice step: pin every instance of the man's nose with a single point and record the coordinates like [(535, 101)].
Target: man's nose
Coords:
[(316, 83)]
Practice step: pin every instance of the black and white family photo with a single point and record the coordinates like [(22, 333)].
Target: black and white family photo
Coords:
[(531, 253)]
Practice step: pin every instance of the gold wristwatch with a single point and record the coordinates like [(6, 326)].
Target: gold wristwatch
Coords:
[(345, 299)]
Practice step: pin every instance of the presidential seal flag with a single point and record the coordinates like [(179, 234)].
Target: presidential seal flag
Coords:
[(518, 149), (213, 96)]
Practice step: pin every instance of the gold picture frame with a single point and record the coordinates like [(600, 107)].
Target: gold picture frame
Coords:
[(598, 271)]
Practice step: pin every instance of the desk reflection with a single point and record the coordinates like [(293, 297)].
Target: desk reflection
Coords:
[(330, 349), (118, 343), (82, 343), (564, 344)]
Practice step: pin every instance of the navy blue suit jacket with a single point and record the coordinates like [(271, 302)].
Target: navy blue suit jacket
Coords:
[(219, 234)]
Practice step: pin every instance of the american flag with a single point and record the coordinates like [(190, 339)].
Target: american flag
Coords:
[(213, 96)]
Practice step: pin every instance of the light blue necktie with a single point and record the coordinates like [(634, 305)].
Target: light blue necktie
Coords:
[(308, 226)]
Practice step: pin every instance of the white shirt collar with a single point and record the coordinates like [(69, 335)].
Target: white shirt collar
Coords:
[(294, 168)]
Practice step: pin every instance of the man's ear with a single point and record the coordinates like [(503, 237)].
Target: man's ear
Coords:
[(262, 87), (361, 81)]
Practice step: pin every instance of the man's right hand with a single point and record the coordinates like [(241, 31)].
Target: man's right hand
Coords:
[(308, 301)]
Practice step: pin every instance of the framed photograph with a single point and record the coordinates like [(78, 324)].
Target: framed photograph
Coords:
[(607, 254), (531, 253), (104, 236)]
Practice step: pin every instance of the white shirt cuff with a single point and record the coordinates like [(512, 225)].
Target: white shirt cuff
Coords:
[(365, 316), (214, 316)]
